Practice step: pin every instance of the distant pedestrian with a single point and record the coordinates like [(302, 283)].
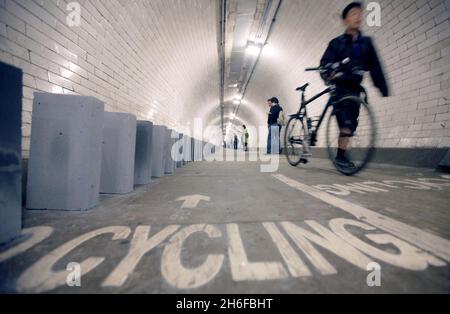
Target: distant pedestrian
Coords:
[(236, 142), (245, 138)]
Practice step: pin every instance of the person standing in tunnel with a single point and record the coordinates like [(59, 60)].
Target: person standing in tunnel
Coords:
[(245, 138), (274, 126), (236, 142), (361, 51)]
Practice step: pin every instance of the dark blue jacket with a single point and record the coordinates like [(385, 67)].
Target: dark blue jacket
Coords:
[(274, 114), (363, 56)]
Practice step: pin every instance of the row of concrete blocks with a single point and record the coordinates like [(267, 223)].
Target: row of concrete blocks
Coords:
[(79, 151)]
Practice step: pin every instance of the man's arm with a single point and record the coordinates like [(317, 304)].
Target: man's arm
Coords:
[(330, 55), (376, 71)]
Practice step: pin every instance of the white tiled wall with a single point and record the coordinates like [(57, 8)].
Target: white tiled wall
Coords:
[(157, 59)]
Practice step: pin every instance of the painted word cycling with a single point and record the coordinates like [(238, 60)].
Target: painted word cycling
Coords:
[(42, 276)]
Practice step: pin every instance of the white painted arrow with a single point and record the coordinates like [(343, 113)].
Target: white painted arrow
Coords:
[(192, 201)]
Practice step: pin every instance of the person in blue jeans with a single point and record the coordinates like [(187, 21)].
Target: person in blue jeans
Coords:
[(274, 127)]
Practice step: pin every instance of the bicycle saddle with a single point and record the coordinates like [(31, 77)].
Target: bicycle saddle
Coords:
[(303, 88)]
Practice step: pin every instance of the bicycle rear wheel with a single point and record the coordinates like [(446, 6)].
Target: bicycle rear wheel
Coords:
[(360, 148), (296, 140)]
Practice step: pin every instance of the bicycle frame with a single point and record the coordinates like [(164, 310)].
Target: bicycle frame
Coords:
[(305, 103)]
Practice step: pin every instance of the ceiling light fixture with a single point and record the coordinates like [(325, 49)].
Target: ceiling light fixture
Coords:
[(253, 49)]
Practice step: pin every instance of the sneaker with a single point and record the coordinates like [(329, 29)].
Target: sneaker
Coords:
[(344, 163)]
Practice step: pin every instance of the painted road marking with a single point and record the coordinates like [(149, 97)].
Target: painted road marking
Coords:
[(33, 236), (384, 186), (192, 201), (297, 268), (41, 277), (242, 269), (178, 275), (140, 245), (416, 249), (328, 240), (189, 202), (426, 241), (409, 257), (181, 214)]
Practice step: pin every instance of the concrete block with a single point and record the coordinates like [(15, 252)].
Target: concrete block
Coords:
[(169, 165), (198, 150), (118, 155), (187, 149), (143, 156), (193, 149), (65, 152), (202, 156), (159, 144), (10, 152)]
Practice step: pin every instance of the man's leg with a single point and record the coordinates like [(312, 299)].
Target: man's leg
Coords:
[(269, 140), (275, 139), (344, 140), (279, 139), (347, 117)]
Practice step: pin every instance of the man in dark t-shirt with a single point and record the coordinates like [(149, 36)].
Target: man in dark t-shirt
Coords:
[(274, 127)]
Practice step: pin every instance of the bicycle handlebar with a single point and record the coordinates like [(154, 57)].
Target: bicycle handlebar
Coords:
[(334, 66)]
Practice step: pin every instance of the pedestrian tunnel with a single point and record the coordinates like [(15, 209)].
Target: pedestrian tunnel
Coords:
[(127, 118)]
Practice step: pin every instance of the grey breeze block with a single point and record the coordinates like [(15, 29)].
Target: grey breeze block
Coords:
[(10, 152), (119, 145), (169, 163), (159, 147), (65, 152), (187, 149), (143, 155)]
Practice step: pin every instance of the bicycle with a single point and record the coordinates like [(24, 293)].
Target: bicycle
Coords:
[(301, 131)]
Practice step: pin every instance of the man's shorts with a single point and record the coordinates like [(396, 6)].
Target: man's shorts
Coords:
[(347, 114)]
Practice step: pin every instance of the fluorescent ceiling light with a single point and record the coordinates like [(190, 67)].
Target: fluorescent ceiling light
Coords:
[(253, 49)]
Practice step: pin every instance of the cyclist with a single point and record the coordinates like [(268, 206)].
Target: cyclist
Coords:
[(360, 49)]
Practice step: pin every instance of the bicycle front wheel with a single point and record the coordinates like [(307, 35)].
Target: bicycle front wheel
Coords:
[(296, 140), (359, 146)]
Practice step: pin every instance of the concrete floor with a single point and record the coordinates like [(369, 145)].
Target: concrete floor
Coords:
[(245, 234)]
